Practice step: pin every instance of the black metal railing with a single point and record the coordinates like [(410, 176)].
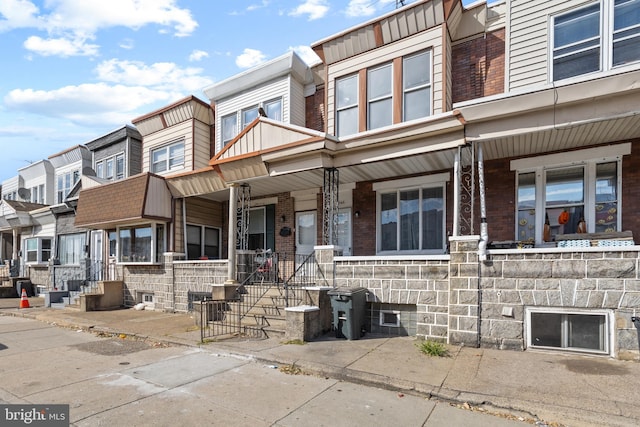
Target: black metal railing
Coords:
[(261, 296)]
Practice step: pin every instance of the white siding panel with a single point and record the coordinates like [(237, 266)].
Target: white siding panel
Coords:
[(297, 105), (529, 36), (274, 89)]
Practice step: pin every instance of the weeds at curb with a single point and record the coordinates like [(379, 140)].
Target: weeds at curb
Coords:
[(433, 348)]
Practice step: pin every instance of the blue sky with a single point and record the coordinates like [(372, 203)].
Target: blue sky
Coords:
[(74, 70)]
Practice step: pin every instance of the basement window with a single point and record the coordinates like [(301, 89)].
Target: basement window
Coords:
[(581, 331), (390, 318)]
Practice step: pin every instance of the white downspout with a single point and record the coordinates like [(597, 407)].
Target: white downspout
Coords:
[(484, 234), (456, 194)]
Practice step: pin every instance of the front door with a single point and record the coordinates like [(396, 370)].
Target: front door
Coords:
[(306, 232), (96, 256)]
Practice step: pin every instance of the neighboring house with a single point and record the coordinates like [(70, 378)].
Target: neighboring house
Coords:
[(118, 154), (473, 169)]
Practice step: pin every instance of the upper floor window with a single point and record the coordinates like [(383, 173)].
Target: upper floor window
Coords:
[(167, 158), (596, 38), (229, 123), (229, 128), (347, 106), (410, 75), (37, 194), (111, 167), (559, 195), (65, 182), (416, 85), (249, 115), (379, 97)]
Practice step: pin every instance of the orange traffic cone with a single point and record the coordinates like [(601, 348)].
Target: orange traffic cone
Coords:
[(24, 301)]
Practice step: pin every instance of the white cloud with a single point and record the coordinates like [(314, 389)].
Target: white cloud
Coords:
[(166, 76), (69, 21), (250, 58), (358, 8), (198, 55), (87, 104), (127, 44), (60, 47), (18, 14), (316, 9), (253, 7), (306, 54)]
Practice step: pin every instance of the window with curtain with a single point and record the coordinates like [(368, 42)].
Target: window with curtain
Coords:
[(141, 244), (71, 248)]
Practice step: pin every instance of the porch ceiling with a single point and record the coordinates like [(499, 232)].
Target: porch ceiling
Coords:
[(556, 118), (196, 183)]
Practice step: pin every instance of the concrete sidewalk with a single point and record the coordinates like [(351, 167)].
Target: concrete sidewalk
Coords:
[(549, 387)]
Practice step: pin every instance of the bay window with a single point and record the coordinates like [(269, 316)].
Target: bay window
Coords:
[(557, 192), (411, 219), (141, 244)]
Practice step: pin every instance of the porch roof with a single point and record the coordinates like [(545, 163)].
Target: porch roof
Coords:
[(273, 156), (142, 197), (14, 213), (557, 118)]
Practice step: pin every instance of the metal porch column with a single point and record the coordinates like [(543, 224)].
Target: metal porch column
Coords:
[(465, 191), (330, 207)]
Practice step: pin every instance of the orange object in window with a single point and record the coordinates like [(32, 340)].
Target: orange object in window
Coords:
[(563, 218)]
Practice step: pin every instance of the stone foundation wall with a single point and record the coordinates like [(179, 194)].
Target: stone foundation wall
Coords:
[(592, 279), (196, 276), (422, 281)]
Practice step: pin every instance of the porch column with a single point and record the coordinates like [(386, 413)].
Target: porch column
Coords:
[(231, 245), (15, 244)]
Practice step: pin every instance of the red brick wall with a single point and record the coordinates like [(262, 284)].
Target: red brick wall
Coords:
[(315, 111), (284, 209), (363, 229), (631, 191), (478, 67)]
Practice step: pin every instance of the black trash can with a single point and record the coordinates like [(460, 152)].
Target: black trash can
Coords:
[(26, 285), (349, 312)]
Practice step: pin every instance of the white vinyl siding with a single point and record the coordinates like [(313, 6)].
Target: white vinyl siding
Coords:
[(428, 40), (283, 87)]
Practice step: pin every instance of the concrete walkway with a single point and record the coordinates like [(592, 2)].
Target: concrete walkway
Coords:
[(548, 387)]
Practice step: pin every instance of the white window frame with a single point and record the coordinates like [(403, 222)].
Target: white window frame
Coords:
[(154, 256), (276, 101), (588, 158), (40, 258), (409, 90), (100, 169), (76, 257), (224, 126), (386, 96), (167, 161), (606, 36), (401, 185), (396, 313), (608, 329), (355, 105), (62, 191), (253, 110)]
